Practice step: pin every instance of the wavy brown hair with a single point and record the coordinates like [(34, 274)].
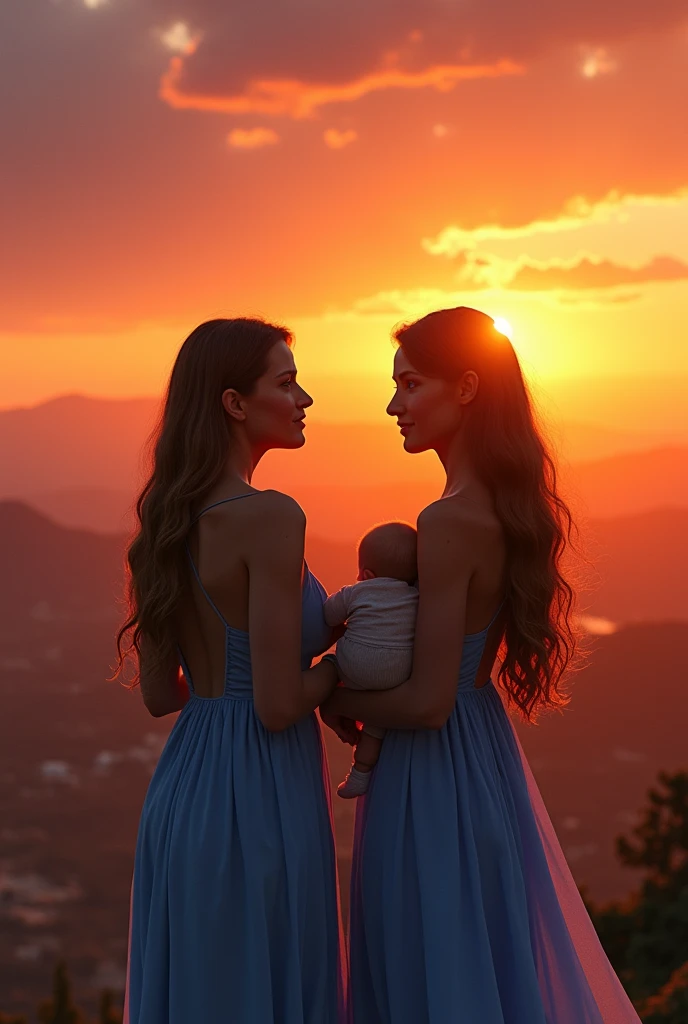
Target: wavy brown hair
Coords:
[(511, 457), (189, 453)]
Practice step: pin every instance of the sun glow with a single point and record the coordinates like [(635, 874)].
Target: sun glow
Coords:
[(504, 327)]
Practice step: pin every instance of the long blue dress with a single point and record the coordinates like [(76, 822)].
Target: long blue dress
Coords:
[(235, 914), (463, 910)]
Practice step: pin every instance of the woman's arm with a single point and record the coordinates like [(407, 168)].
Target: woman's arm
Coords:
[(164, 689), (425, 700), (283, 693)]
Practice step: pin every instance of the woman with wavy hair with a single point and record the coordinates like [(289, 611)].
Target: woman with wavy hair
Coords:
[(234, 901), (463, 909)]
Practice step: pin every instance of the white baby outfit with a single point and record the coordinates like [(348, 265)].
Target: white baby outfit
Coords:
[(376, 651)]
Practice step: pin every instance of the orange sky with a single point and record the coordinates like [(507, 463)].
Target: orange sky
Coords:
[(340, 167)]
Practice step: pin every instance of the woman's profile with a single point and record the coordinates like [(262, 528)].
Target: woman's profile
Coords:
[(234, 900), (462, 907)]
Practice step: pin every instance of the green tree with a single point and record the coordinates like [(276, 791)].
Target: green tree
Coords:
[(646, 937), (670, 1005), (60, 1009)]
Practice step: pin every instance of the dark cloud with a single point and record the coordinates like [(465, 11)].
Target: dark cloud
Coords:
[(589, 273), (327, 42)]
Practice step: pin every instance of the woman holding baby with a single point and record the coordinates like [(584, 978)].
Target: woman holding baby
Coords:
[(462, 907)]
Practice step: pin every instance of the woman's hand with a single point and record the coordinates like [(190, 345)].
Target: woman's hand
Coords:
[(346, 728)]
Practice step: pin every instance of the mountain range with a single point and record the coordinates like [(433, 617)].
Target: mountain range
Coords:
[(638, 571), (80, 461)]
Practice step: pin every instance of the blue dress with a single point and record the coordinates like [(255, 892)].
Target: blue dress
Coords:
[(235, 914), (463, 910)]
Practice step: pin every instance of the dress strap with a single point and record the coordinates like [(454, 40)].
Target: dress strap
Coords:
[(223, 501), (496, 615), (205, 593), (486, 629)]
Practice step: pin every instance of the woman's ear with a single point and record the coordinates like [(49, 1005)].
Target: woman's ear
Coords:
[(234, 405), (468, 387)]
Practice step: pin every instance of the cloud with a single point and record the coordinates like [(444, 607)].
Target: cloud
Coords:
[(337, 139), (179, 38), (400, 304), (577, 213), (590, 272), (482, 271), (300, 99), (252, 138), (597, 62), (291, 58)]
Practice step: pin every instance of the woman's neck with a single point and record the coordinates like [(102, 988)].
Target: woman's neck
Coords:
[(241, 460), (461, 477)]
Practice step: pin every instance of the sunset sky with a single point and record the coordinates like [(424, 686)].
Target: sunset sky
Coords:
[(340, 167)]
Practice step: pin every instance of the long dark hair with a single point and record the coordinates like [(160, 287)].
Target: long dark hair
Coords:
[(511, 457), (190, 447)]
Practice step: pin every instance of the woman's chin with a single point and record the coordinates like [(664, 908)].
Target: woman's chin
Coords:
[(297, 439), (413, 447)]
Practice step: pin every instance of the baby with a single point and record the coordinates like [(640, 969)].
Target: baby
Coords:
[(376, 652)]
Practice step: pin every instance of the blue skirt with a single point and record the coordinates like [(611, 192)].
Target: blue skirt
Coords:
[(463, 909), (235, 911)]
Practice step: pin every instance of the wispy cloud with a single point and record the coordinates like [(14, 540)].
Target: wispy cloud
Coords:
[(585, 272), (252, 138), (301, 99), (577, 213), (336, 139), (590, 272)]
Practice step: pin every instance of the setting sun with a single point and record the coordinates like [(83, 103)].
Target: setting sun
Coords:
[(504, 327)]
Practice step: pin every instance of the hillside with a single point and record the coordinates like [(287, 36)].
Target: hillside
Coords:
[(628, 718), (631, 483), (640, 566), (55, 574), (73, 441), (79, 460)]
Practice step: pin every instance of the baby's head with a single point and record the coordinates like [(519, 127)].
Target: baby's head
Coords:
[(389, 550)]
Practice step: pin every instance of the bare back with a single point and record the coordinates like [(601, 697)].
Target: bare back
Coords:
[(486, 588), (223, 570)]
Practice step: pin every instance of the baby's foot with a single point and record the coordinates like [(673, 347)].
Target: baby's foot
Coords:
[(355, 784)]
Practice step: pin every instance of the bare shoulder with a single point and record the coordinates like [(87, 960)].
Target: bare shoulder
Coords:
[(273, 507), (458, 525), (264, 510)]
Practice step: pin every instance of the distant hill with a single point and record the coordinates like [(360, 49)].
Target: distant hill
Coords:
[(628, 718), (631, 483), (619, 486), (79, 459), (73, 441), (54, 574), (640, 563)]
